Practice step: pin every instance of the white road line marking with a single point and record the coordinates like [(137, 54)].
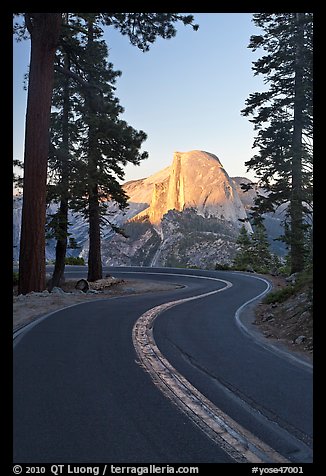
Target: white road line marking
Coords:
[(239, 443), (268, 345), (235, 440)]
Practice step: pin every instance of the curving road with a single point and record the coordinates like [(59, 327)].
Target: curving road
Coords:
[(88, 388)]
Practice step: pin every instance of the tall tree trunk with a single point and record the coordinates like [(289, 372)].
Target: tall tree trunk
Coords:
[(45, 30), (94, 253), (61, 245), (296, 205)]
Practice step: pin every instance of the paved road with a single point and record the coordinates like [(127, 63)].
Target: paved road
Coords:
[(81, 396)]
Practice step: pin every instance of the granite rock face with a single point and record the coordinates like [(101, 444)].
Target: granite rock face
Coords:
[(192, 217), (188, 214), (195, 180)]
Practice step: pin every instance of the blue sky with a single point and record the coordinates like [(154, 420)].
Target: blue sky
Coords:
[(186, 93)]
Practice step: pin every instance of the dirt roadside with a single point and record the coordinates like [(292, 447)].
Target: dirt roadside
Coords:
[(288, 323), (31, 306)]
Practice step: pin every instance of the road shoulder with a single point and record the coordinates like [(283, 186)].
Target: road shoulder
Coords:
[(277, 334), (32, 306)]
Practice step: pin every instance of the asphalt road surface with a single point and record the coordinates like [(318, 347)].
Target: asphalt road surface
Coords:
[(82, 395)]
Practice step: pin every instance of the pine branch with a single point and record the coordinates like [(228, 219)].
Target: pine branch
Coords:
[(77, 78), (116, 228)]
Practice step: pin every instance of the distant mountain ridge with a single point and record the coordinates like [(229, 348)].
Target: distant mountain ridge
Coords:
[(188, 214)]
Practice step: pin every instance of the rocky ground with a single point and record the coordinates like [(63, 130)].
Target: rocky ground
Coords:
[(289, 322)]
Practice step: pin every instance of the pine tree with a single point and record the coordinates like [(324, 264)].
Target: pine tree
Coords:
[(282, 115), (102, 145), (253, 253), (44, 30), (243, 258), (64, 133), (143, 28), (261, 258)]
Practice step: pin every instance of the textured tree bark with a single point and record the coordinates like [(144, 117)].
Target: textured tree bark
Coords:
[(45, 31)]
